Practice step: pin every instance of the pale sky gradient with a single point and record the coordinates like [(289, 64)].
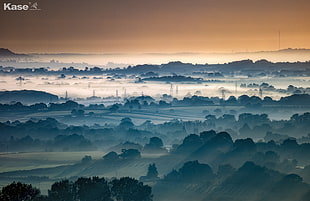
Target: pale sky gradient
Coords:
[(165, 26)]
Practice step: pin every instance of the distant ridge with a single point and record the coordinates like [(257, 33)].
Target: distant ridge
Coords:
[(293, 49), (8, 52), (27, 96), (81, 60), (281, 51), (4, 52)]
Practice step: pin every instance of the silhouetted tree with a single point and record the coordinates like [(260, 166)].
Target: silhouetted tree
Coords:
[(19, 192), (77, 112), (92, 189), (129, 189), (155, 144), (246, 145), (231, 100), (111, 156), (38, 107), (86, 159), (152, 174), (193, 170), (126, 123), (62, 191), (190, 143), (114, 107), (152, 171), (130, 154), (289, 144), (207, 135), (290, 187)]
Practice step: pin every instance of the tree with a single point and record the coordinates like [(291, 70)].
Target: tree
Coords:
[(290, 187), (173, 176), (207, 135), (210, 117), (70, 105), (86, 159), (62, 191), (246, 145), (191, 171), (289, 144), (152, 174), (155, 144), (111, 156), (114, 107), (129, 189), (244, 99), (190, 143), (152, 171), (92, 189), (130, 154), (195, 171), (38, 106), (126, 123), (19, 192), (231, 100)]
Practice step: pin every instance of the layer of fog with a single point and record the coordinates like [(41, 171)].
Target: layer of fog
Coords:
[(114, 60), (102, 86)]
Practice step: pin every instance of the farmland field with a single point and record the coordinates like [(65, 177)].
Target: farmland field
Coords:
[(31, 160)]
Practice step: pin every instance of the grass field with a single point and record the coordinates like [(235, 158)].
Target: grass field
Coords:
[(32, 160), (40, 162), (156, 115)]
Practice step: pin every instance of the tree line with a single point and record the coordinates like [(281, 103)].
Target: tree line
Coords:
[(147, 101), (83, 189)]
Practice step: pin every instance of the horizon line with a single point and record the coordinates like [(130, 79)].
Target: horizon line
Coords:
[(160, 53)]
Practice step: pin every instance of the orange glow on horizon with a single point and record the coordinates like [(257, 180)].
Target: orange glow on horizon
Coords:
[(170, 26)]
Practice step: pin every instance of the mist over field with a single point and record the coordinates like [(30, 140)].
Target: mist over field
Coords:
[(168, 131)]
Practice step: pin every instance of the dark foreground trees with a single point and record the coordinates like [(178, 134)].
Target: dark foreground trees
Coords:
[(129, 189), (83, 189), (18, 191)]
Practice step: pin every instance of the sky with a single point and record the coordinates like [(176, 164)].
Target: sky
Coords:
[(162, 26)]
